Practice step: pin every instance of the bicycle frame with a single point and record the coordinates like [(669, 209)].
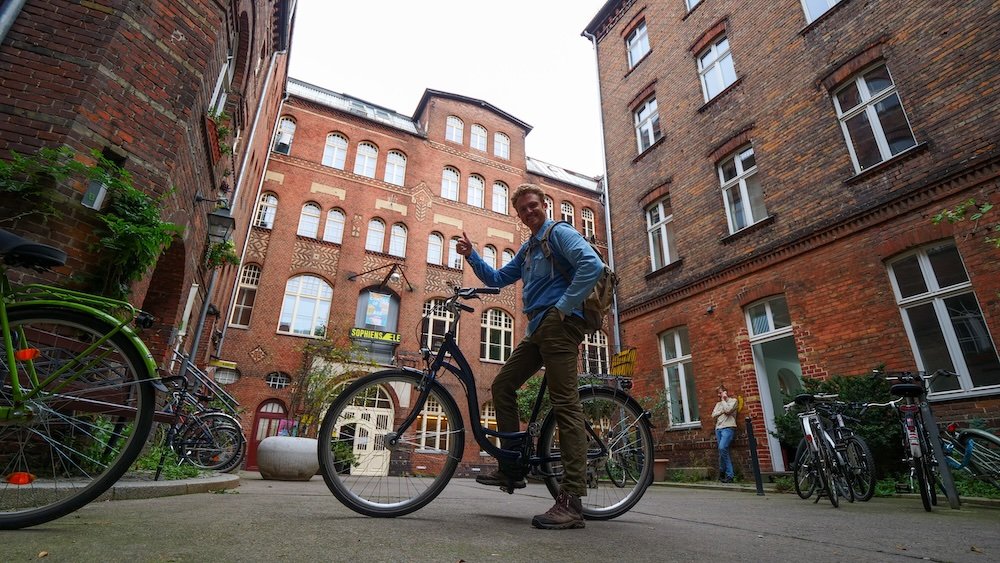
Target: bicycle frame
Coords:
[(39, 295)]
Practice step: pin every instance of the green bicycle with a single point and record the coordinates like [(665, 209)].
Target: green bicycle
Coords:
[(76, 392)]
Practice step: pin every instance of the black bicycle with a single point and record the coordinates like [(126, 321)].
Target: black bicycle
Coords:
[(202, 436), (392, 440)]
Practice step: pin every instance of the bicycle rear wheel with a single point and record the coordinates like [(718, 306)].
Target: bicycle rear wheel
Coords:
[(82, 430), (862, 467), (372, 468), (212, 441), (925, 482), (984, 461), (804, 470), (615, 420), (826, 474)]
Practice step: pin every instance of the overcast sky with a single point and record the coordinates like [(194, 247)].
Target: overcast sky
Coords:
[(526, 57)]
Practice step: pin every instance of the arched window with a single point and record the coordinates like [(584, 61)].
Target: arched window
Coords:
[(436, 321), (454, 129), (477, 138), (476, 190), (395, 168), (364, 162), (397, 240), (334, 230), (246, 294), (435, 249), (455, 259), (587, 217), (266, 210), (449, 183), (507, 256), (500, 197), (284, 135), (496, 335), (306, 306), (490, 256), (595, 353), (501, 145), (432, 427), (488, 419), (335, 151), (567, 213), (376, 235), (309, 221), (549, 207)]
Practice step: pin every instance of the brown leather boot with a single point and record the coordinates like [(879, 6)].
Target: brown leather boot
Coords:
[(566, 513)]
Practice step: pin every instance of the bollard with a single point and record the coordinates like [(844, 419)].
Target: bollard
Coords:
[(754, 462)]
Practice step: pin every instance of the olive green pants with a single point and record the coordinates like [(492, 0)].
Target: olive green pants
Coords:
[(555, 345)]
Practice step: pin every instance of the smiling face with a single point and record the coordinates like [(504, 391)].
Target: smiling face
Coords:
[(531, 211)]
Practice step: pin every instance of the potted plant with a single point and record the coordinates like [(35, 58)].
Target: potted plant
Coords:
[(219, 254)]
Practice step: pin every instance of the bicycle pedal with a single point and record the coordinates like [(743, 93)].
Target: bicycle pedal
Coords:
[(506, 489)]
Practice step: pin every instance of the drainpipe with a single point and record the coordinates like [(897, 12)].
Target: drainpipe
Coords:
[(8, 13), (605, 193)]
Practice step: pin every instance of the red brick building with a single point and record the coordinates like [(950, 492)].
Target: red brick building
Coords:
[(140, 83), (773, 169), (354, 238)]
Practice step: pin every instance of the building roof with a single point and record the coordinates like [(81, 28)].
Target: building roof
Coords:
[(602, 15), (428, 94), (542, 168), (353, 105)]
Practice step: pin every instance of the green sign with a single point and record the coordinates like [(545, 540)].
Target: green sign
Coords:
[(379, 335)]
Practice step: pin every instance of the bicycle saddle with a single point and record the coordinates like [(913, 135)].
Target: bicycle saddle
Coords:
[(803, 399), (906, 390), (19, 251)]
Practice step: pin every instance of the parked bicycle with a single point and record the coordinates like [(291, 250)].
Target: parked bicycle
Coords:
[(391, 441), (851, 447), (76, 399), (200, 435), (922, 447), (975, 451), (820, 466)]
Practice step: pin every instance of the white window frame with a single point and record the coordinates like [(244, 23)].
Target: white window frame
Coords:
[(500, 194), (501, 145), (770, 328), (335, 151), (375, 237), (589, 226), (811, 17), (333, 231), (266, 211), (246, 295), (450, 179), (490, 256), (435, 248), (477, 137), (395, 168), (595, 354), (432, 428), (647, 124), (683, 364), (550, 208), (506, 257), (567, 213), (659, 227), (397, 240), (283, 136), (715, 67), (278, 380), (301, 290), (868, 106), (455, 260), (637, 44), (476, 193), (692, 3), (366, 159), (309, 221), (435, 323), (741, 184), (935, 295), (488, 420), (496, 323), (454, 130)]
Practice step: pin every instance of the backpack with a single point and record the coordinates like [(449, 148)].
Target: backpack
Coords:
[(598, 303)]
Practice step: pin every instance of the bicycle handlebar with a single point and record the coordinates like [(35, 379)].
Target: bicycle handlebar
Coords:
[(910, 376)]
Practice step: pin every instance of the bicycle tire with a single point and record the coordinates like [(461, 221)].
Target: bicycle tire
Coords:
[(621, 423), (826, 474), (984, 462), (84, 435), (374, 477), (804, 470), (212, 441), (841, 474), (924, 485), (862, 466)]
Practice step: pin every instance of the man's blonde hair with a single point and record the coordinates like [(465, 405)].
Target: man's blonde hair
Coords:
[(527, 189)]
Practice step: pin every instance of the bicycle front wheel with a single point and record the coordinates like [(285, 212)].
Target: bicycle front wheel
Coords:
[(619, 452), (804, 470), (374, 468), (212, 441), (862, 467), (78, 433)]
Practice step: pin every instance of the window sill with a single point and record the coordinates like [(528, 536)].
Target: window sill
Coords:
[(497, 362), (676, 264), (766, 221), (688, 426), (822, 17), (916, 149), (992, 390), (297, 335), (691, 11), (648, 150), (637, 63), (721, 94)]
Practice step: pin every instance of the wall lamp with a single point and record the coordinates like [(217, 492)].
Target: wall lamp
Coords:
[(395, 274), (220, 225), (223, 202)]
